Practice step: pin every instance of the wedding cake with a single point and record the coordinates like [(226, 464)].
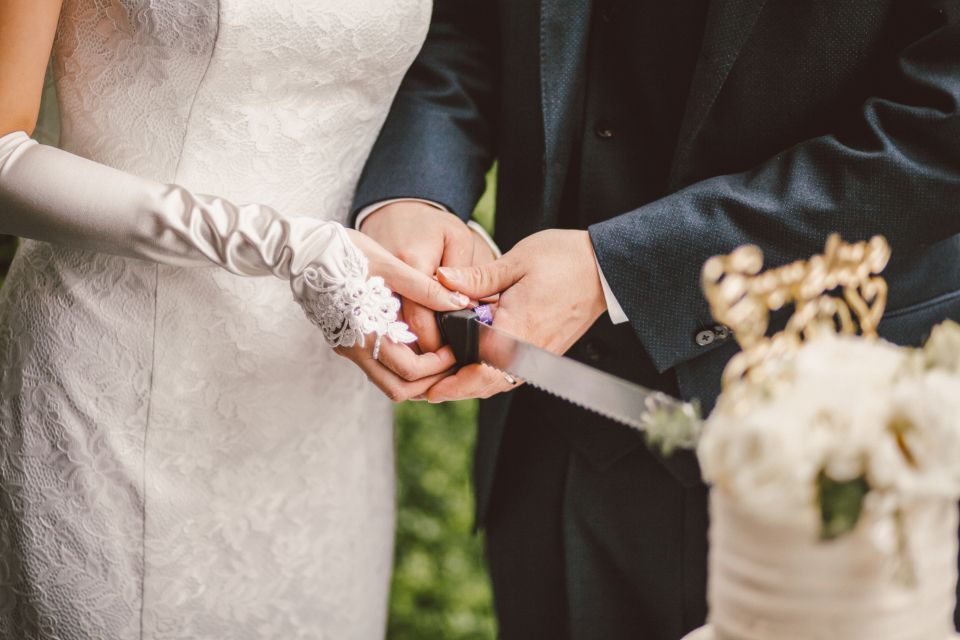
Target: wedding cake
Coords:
[(776, 581), (834, 462)]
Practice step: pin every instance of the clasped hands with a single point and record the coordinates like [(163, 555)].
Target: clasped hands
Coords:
[(546, 289)]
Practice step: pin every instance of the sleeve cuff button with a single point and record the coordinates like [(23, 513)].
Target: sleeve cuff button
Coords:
[(706, 337)]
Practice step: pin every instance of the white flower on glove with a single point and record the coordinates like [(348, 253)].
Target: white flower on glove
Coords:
[(348, 305)]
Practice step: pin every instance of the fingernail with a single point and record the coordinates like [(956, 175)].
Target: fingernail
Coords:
[(459, 299), (450, 275)]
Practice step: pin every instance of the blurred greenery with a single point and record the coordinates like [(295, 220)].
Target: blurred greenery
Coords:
[(485, 208), (440, 587)]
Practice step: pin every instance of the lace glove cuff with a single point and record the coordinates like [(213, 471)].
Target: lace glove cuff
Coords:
[(50, 195), (343, 300)]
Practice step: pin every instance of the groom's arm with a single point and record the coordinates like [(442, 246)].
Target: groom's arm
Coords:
[(436, 147), (438, 141), (895, 170)]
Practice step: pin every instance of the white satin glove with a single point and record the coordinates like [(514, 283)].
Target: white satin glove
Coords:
[(50, 195)]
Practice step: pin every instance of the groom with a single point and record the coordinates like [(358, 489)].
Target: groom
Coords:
[(635, 139)]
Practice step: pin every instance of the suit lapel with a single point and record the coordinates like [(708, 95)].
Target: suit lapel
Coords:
[(729, 24), (564, 32)]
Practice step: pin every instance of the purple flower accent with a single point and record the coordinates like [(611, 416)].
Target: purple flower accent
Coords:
[(484, 314)]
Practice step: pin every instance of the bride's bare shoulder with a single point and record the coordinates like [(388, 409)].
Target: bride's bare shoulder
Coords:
[(27, 29)]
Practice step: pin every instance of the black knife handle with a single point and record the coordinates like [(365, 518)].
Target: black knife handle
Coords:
[(459, 330)]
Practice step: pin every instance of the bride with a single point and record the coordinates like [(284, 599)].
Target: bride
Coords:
[(182, 455)]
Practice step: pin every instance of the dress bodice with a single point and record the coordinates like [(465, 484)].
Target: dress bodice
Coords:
[(274, 102)]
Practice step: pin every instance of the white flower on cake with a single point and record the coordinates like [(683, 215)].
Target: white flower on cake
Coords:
[(926, 408), (839, 411), (942, 350)]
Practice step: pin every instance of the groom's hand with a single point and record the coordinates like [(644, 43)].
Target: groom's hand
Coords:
[(551, 294), (425, 238)]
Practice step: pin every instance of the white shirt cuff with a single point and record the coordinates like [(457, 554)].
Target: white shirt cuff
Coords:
[(614, 310), (480, 231)]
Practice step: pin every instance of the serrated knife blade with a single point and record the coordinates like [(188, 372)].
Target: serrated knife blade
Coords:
[(474, 340)]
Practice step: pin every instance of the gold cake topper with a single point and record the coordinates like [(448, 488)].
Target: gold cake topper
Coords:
[(742, 298)]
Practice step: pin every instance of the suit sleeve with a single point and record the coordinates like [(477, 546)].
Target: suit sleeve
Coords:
[(438, 141), (895, 170)]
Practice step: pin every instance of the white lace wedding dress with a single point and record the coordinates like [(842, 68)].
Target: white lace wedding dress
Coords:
[(182, 456)]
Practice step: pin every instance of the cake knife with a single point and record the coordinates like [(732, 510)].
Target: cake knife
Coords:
[(474, 340)]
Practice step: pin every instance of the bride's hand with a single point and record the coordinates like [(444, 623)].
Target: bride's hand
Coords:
[(406, 281), (397, 370)]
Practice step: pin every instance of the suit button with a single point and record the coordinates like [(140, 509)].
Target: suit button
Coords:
[(723, 331), (606, 14), (603, 130), (706, 337)]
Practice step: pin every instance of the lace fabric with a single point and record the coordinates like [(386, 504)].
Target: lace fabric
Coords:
[(181, 456), (347, 304)]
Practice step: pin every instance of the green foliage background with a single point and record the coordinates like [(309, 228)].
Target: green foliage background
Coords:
[(440, 588)]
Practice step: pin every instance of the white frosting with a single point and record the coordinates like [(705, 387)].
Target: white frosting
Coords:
[(772, 580)]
